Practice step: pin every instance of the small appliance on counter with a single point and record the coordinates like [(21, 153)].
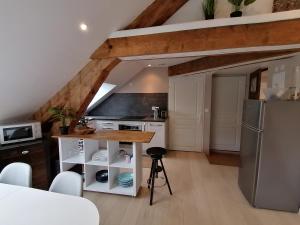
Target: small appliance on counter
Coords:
[(155, 112), (20, 132), (164, 114)]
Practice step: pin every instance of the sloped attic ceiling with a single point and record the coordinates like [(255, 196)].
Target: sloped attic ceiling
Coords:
[(42, 47)]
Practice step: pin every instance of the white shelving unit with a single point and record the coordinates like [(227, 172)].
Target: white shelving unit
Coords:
[(70, 155)]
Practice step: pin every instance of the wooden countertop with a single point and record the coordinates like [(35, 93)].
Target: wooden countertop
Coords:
[(114, 135)]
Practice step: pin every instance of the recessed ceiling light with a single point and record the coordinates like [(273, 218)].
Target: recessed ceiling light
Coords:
[(83, 27), (149, 65)]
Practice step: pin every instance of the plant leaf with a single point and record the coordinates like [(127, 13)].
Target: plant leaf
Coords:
[(208, 7), (236, 2), (61, 114), (248, 2)]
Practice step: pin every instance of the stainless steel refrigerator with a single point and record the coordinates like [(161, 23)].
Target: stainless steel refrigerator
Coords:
[(269, 175)]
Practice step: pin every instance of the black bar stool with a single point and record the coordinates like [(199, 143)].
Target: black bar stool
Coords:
[(156, 153)]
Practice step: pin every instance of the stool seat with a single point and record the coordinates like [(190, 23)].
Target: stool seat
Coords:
[(156, 152)]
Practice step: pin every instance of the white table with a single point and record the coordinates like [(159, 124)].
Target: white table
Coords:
[(28, 206)]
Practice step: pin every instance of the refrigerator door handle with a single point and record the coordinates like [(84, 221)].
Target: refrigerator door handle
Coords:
[(251, 128)]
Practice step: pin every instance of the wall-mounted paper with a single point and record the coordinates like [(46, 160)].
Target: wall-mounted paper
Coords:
[(278, 80)]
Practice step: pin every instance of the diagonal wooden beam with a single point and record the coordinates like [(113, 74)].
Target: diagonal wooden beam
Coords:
[(213, 62), (80, 91), (156, 14), (255, 35)]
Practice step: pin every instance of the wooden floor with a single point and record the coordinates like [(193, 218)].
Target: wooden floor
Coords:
[(204, 194)]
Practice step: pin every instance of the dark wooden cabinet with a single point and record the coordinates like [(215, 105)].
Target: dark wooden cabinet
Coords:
[(32, 153)]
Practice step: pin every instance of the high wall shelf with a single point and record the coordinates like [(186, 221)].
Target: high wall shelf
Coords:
[(71, 154)]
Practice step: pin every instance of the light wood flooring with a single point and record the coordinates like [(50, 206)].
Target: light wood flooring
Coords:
[(204, 194)]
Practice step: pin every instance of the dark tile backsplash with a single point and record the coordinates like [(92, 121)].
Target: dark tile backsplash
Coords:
[(130, 104)]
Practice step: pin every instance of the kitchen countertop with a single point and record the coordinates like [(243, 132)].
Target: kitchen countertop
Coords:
[(114, 135), (122, 118)]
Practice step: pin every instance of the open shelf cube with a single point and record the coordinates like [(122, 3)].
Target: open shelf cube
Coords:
[(69, 151), (91, 147), (115, 159), (113, 181), (90, 179)]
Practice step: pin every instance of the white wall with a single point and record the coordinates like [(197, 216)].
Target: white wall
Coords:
[(207, 112), (42, 48), (192, 10), (149, 80), (224, 8)]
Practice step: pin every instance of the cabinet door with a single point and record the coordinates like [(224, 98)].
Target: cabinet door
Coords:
[(9, 156), (159, 139), (35, 156)]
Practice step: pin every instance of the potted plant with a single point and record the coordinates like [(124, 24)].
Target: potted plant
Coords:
[(208, 7), (64, 115), (82, 127), (238, 5)]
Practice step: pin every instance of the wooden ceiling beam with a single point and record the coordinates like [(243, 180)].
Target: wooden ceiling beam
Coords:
[(156, 14), (271, 34), (80, 91), (218, 61)]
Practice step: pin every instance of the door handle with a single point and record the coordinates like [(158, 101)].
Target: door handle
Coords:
[(25, 152)]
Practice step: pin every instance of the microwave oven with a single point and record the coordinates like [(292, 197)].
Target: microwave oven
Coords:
[(20, 132)]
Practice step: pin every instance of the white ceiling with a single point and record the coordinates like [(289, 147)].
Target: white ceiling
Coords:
[(42, 47)]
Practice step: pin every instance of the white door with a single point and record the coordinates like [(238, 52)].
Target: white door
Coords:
[(228, 93), (186, 100)]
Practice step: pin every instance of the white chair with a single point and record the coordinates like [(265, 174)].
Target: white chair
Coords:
[(17, 174), (69, 183)]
